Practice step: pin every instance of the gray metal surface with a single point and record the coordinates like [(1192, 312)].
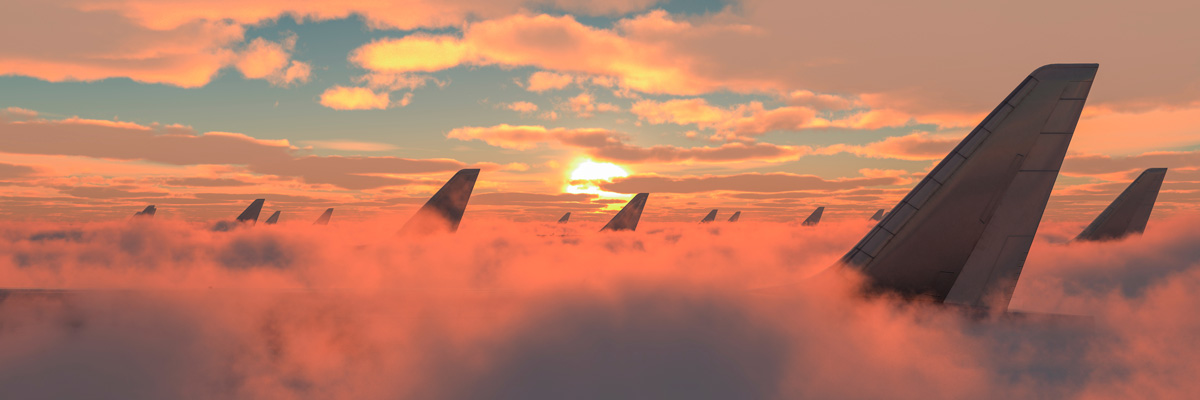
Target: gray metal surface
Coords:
[(251, 213), (736, 216), (444, 211), (815, 217), (629, 216), (878, 216), (962, 234), (1129, 213), (324, 218), (148, 212), (566, 217), (273, 218), (712, 216)]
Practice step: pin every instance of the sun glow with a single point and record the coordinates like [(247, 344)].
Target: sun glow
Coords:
[(588, 173)]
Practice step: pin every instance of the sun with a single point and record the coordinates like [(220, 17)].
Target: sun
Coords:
[(585, 176)]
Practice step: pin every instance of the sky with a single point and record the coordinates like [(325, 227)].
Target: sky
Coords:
[(767, 107)]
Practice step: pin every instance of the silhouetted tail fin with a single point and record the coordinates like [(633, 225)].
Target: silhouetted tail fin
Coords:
[(273, 218), (712, 216), (735, 216), (815, 217), (148, 212), (324, 218), (251, 213), (629, 216), (444, 211), (566, 217), (1129, 213), (962, 234), (878, 215)]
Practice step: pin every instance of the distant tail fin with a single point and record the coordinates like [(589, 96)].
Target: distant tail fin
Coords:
[(628, 218), (566, 217), (251, 213), (735, 216), (878, 215), (444, 211), (1129, 213), (273, 218), (962, 234), (815, 217), (324, 218), (712, 216), (148, 212)]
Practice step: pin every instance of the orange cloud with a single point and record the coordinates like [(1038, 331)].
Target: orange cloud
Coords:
[(523, 107), (272, 61), (753, 182), (542, 81), (354, 98), (916, 146)]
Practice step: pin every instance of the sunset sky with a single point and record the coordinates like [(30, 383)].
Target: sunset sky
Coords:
[(768, 107)]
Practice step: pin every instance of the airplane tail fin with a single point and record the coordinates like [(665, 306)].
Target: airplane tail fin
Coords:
[(444, 211), (962, 234), (566, 217), (148, 212), (815, 217), (251, 213), (878, 215), (736, 215), (324, 218), (273, 218), (712, 216), (1129, 213), (629, 216)]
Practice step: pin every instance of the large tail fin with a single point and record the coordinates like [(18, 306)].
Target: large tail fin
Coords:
[(273, 218), (629, 216), (712, 216), (251, 213), (735, 216), (566, 217), (324, 218), (1130, 211), (444, 211), (148, 212), (878, 215), (962, 234), (815, 217)]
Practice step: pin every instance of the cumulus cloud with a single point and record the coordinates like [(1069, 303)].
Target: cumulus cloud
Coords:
[(263, 59), (354, 98), (743, 121), (916, 146), (542, 81), (523, 107)]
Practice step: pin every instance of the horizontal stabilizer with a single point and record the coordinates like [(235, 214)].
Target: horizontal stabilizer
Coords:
[(629, 216), (712, 216), (1129, 213), (815, 217), (444, 211), (736, 215), (324, 218), (251, 213), (962, 234), (273, 218)]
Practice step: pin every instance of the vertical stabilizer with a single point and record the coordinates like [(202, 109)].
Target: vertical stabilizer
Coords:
[(566, 217), (962, 234), (324, 218), (273, 218), (712, 216), (148, 212), (877, 216), (1129, 213), (736, 215), (444, 211), (815, 217), (251, 213), (629, 216)]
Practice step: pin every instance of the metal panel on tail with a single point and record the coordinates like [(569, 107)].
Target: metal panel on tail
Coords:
[(1129, 213), (815, 217), (961, 235), (444, 211), (273, 218), (627, 219), (736, 216), (712, 216), (324, 218), (251, 213)]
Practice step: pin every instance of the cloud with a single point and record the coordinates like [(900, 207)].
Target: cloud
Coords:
[(354, 98), (743, 121), (272, 61), (542, 81), (752, 182), (916, 146), (210, 182), (584, 105), (9, 171), (350, 145), (523, 107)]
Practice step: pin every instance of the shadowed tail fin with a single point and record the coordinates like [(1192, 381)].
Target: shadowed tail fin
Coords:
[(1129, 213), (566, 217), (148, 212), (251, 213), (962, 234), (735, 216), (815, 217), (273, 218), (628, 218), (324, 218), (878, 215), (444, 211), (712, 216)]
